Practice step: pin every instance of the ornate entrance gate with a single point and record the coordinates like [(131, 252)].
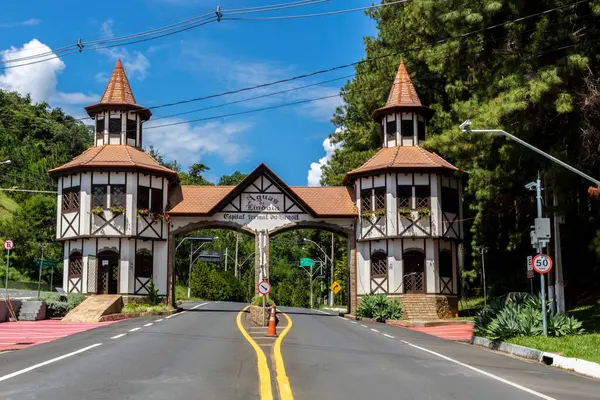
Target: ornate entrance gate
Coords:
[(414, 272), (108, 273)]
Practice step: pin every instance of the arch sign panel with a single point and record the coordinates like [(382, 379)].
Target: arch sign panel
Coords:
[(542, 263)]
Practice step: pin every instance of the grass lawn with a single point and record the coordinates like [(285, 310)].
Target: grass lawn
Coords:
[(586, 346), (7, 207), (468, 307)]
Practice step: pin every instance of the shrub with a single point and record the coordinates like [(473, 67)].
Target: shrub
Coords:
[(379, 307), (153, 297), (135, 308), (258, 301), (57, 307), (300, 297), (522, 316)]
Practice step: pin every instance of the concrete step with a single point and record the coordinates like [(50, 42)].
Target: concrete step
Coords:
[(94, 307)]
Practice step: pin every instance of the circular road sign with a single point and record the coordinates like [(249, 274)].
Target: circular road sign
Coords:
[(264, 288), (542, 263), (8, 245)]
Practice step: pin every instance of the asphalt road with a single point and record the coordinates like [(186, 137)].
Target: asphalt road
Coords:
[(202, 354)]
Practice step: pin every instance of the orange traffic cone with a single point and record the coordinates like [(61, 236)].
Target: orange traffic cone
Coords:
[(272, 331)]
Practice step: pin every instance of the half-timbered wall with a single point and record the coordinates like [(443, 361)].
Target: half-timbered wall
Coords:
[(431, 281), (402, 129), (126, 249), (129, 131)]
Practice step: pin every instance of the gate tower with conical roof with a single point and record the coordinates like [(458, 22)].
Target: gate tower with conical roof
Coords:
[(409, 229)]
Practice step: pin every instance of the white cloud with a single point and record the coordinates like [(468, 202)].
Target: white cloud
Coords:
[(39, 80), (187, 143), (315, 172), (135, 63), (101, 77), (27, 22), (74, 98)]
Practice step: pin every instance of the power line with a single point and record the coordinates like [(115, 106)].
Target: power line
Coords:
[(367, 60), (254, 98), (152, 34), (317, 14)]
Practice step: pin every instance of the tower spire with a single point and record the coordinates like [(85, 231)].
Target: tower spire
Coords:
[(118, 90), (403, 96)]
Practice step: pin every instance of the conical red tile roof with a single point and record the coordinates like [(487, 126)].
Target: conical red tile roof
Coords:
[(402, 158), (118, 94), (403, 96), (118, 90)]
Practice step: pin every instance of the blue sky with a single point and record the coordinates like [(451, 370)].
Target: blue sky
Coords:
[(206, 60)]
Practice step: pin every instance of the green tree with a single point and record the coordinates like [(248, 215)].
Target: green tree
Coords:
[(536, 78), (231, 180)]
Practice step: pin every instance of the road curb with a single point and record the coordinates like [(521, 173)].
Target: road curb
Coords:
[(119, 317), (582, 367)]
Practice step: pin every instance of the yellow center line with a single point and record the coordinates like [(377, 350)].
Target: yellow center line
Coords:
[(264, 375), (283, 383)]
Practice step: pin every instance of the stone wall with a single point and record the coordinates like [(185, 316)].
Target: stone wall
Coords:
[(254, 315)]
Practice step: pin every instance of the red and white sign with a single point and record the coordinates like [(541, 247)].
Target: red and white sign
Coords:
[(264, 288), (8, 245), (542, 263)]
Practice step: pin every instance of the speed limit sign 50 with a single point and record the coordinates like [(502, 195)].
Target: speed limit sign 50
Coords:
[(542, 263)]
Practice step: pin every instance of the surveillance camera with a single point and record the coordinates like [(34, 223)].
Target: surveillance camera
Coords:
[(531, 186), (466, 126)]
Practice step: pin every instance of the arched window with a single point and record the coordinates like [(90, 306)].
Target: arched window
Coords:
[(379, 264), (75, 264), (143, 264)]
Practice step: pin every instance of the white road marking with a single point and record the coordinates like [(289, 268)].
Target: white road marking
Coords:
[(159, 320), (322, 312), (364, 326), (174, 315), (374, 330), (390, 336), (134, 329), (119, 336), (25, 370), (149, 324), (482, 372), (354, 322), (341, 317), (199, 305)]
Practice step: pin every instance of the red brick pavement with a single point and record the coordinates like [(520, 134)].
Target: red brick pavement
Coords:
[(460, 333), (21, 334)]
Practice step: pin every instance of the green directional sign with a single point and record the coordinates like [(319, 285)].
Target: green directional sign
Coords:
[(307, 262), (46, 263)]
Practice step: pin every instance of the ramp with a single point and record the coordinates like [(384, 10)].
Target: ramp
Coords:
[(94, 307)]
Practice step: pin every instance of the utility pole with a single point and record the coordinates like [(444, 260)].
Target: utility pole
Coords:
[(332, 278), (538, 190), (40, 273), (559, 284), (190, 270), (483, 250), (237, 241)]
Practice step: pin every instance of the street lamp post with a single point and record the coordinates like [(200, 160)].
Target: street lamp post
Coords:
[(327, 258), (466, 127)]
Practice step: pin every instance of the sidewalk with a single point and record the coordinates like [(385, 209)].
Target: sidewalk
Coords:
[(21, 334), (461, 333)]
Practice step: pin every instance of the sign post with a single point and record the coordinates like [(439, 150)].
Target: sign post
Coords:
[(8, 245), (40, 273), (264, 288), (530, 272)]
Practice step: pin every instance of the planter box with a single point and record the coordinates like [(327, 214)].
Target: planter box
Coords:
[(4, 313), (255, 315)]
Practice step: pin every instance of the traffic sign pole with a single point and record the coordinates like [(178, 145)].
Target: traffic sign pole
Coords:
[(6, 278), (40, 274), (539, 248)]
